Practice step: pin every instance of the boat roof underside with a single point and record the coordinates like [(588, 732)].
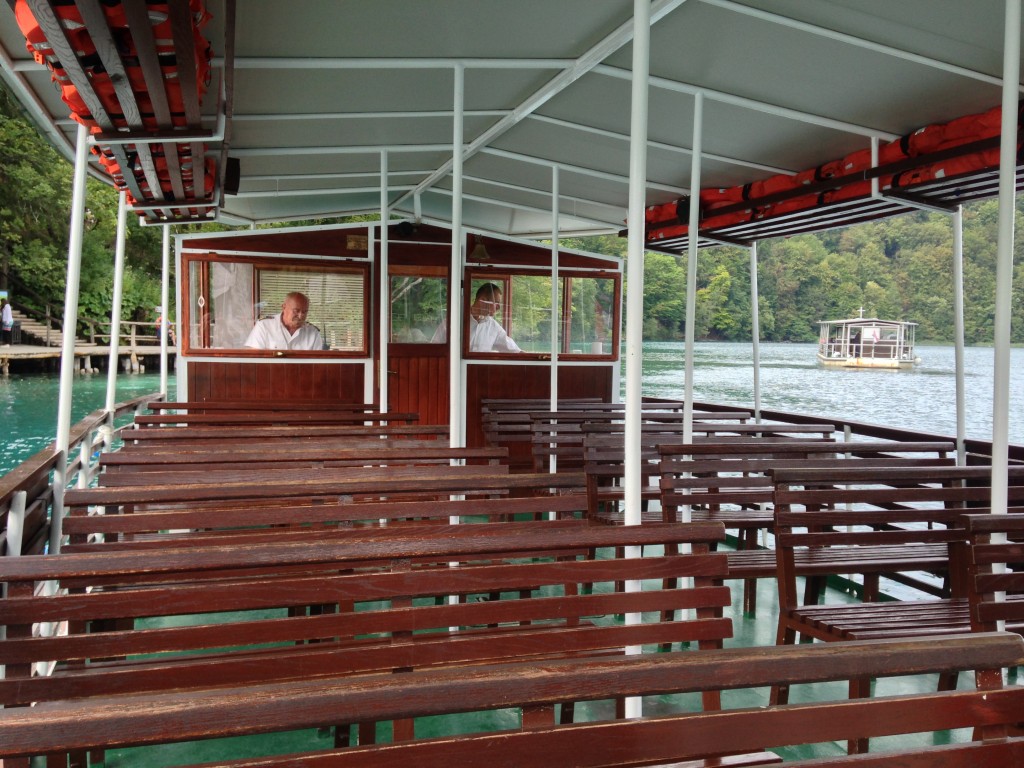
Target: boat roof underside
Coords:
[(316, 101)]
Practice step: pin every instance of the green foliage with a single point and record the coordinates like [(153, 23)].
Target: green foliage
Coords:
[(898, 268)]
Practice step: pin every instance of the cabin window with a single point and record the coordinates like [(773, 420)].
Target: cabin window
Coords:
[(227, 298), (584, 325), (419, 306)]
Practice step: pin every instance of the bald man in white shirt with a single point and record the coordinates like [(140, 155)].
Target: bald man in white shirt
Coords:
[(287, 329)]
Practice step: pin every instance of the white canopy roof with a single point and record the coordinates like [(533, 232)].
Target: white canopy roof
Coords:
[(313, 92)]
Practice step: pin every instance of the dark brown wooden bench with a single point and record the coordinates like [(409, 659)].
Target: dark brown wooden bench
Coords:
[(249, 418), (204, 524), (260, 406), (335, 486), (604, 464), (983, 721), (995, 585), (874, 521), (271, 435), (732, 483), (559, 435), (391, 453), (390, 608)]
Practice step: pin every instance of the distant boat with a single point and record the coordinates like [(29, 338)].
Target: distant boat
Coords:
[(867, 342)]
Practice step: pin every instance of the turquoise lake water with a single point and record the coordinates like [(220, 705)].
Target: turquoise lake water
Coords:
[(791, 380)]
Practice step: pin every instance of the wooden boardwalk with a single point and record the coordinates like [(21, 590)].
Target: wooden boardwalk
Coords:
[(84, 352)]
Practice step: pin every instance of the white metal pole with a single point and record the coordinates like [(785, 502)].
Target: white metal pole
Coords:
[(635, 257), (691, 262), (456, 395), (755, 331), (635, 282), (385, 286), (556, 338), (115, 305), (1004, 264), (958, 333), (165, 301), (67, 356)]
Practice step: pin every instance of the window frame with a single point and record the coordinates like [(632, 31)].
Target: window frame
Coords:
[(203, 260), (503, 277)]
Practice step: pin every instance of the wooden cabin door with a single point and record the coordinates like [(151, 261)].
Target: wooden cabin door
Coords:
[(418, 342)]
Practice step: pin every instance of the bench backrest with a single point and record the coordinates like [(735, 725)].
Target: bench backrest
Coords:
[(740, 474), (899, 508), (381, 594), (398, 453), (534, 689), (995, 587), (289, 435), (195, 525)]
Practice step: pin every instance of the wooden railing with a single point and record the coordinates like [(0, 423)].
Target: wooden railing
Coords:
[(31, 495)]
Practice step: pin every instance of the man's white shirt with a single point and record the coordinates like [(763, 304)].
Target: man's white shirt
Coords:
[(271, 334), (487, 335)]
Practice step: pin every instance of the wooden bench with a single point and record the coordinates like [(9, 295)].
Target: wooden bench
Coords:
[(247, 418), (995, 585), (988, 715), (559, 435), (345, 486), (259, 406), (199, 524), (392, 612), (270, 435), (874, 521), (732, 483), (604, 462), (373, 454)]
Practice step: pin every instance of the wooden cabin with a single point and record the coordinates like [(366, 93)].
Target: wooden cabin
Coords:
[(232, 280)]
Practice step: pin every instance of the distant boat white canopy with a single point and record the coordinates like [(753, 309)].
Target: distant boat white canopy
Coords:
[(867, 342)]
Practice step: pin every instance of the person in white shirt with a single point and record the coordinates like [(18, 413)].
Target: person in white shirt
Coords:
[(6, 322), (288, 329), (486, 333)]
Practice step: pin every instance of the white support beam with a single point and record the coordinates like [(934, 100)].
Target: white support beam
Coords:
[(659, 145), (1004, 258), (691, 267), (593, 172), (758, 106), (115, 305), (859, 42), (581, 66)]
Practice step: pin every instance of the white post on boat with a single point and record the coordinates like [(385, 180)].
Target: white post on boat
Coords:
[(556, 339), (165, 302), (67, 355), (115, 306), (755, 332), (958, 334), (691, 262), (385, 286), (635, 258), (1004, 263), (635, 299), (369, 380), (456, 393)]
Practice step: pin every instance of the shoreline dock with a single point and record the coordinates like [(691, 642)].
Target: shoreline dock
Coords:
[(84, 353)]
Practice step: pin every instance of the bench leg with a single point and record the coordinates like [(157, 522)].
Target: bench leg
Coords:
[(860, 688)]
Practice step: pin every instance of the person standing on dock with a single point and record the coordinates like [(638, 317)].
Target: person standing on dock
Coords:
[(288, 329), (6, 322)]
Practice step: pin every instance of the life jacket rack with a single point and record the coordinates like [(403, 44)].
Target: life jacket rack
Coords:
[(134, 70), (941, 166)]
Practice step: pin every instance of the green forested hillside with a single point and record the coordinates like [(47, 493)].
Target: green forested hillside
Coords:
[(899, 268)]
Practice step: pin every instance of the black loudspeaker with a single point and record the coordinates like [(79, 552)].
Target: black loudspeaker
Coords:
[(232, 176)]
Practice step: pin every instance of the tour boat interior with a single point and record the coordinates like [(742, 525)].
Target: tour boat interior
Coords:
[(391, 547)]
